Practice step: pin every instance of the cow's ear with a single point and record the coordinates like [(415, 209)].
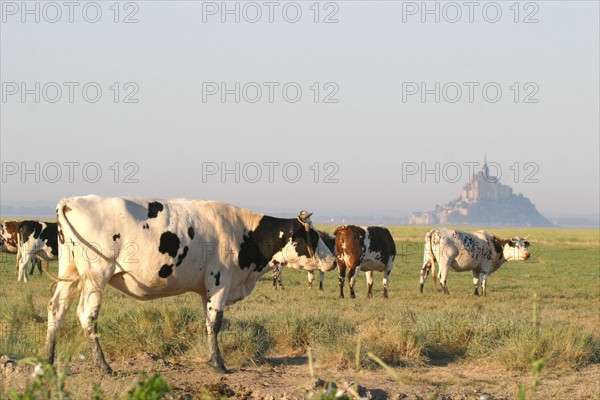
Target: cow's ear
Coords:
[(526, 244)]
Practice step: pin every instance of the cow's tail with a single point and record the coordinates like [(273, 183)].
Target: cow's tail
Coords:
[(67, 230), (55, 278)]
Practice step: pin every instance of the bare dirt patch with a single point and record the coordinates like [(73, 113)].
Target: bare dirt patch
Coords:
[(290, 378)]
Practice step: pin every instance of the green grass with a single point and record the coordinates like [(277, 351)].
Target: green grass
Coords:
[(407, 330)]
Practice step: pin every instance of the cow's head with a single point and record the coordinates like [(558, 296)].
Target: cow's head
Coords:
[(306, 250), (515, 249)]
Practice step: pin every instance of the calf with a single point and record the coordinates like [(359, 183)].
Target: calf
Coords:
[(479, 252), (277, 272), (36, 239), (369, 248)]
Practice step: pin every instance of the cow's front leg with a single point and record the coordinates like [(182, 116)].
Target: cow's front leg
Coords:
[(321, 279), (277, 278), (33, 260), (476, 282), (352, 273), (214, 305), (311, 277), (386, 276), (484, 278), (341, 279)]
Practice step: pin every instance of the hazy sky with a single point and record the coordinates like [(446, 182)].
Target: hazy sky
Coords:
[(373, 129)]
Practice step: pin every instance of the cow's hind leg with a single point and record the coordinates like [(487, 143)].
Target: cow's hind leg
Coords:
[(424, 274), (57, 309), (369, 275), (352, 274), (341, 279), (88, 311)]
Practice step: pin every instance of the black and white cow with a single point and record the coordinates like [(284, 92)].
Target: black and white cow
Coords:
[(149, 248), (479, 252), (277, 272), (9, 243), (367, 248), (36, 240)]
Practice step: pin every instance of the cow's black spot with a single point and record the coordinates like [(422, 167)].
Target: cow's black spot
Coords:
[(497, 246), (28, 228), (182, 256), (169, 244), (382, 242), (117, 236), (154, 208), (250, 252), (191, 232), (50, 236), (218, 278), (165, 271)]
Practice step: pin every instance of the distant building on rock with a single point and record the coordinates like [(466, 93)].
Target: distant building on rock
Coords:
[(484, 186), (483, 201)]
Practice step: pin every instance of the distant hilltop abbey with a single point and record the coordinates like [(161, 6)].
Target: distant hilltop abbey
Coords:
[(483, 201)]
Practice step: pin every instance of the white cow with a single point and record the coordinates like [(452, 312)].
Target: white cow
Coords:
[(479, 252), (149, 248)]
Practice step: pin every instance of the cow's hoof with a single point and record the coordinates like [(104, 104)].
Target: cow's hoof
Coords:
[(220, 368), (106, 369)]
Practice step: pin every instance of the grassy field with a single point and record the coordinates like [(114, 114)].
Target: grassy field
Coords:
[(549, 304)]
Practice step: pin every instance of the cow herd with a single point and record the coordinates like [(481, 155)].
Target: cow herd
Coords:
[(152, 248)]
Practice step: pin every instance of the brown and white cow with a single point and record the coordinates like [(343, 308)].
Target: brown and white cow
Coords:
[(9, 243), (8, 237), (37, 240), (367, 248), (277, 272), (479, 252), (151, 248)]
